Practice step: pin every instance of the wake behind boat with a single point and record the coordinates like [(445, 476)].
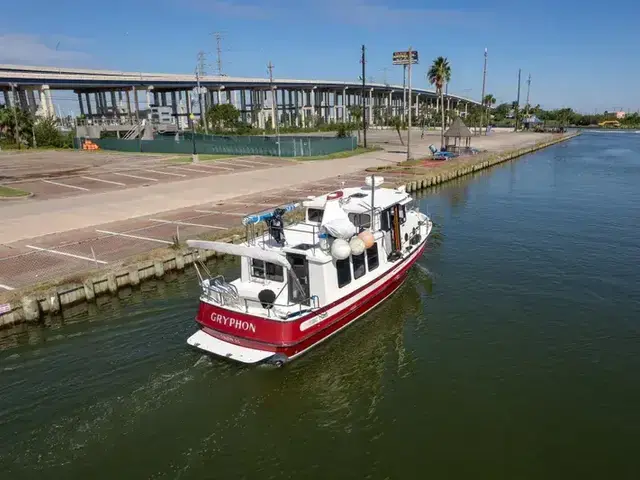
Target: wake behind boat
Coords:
[(302, 283)]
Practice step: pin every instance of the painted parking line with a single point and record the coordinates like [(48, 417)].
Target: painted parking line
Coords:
[(137, 237), (135, 176), (252, 163), (186, 224), (236, 165), (218, 212), (66, 254), (65, 185), (189, 169), (6, 287), (105, 181), (164, 173), (213, 165)]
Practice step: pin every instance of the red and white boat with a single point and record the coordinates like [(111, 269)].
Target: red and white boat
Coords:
[(302, 283)]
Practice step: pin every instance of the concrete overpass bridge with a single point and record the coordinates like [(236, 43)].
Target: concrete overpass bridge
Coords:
[(116, 96)]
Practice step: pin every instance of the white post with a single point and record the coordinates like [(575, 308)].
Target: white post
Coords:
[(409, 122)]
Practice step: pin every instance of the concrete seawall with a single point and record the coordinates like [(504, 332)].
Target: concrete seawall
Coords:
[(33, 308)]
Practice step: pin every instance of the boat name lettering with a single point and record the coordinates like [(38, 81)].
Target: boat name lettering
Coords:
[(233, 322)]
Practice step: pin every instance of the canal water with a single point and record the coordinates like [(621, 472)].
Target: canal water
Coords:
[(512, 352)]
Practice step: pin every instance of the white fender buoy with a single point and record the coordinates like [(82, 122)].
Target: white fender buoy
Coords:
[(340, 249), (357, 246), (367, 238)]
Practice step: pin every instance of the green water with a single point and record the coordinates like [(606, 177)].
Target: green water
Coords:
[(513, 354)]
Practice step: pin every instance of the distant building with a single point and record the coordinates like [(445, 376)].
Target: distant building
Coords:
[(621, 115), (162, 115)]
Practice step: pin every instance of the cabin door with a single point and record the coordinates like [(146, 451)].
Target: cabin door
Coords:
[(300, 268), (390, 224)]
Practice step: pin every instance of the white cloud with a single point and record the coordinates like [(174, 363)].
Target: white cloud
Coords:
[(25, 49)]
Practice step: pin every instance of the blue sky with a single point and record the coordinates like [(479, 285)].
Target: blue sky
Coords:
[(581, 54)]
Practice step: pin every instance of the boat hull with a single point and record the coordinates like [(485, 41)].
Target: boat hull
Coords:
[(242, 335)]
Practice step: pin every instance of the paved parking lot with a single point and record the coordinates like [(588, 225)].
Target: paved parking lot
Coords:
[(47, 257), (59, 174)]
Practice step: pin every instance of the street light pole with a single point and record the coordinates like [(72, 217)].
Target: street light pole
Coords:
[(518, 100), (274, 106), (483, 107), (364, 109)]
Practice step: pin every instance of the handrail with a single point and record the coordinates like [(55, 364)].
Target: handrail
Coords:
[(313, 299)]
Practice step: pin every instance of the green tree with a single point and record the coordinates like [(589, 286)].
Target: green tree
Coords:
[(488, 102), (8, 130), (223, 117), (439, 74), (47, 134)]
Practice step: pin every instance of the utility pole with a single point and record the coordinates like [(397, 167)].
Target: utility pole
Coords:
[(274, 106), (518, 100), (528, 90), (364, 108), (484, 107), (200, 72), (218, 36), (404, 91), (409, 123)]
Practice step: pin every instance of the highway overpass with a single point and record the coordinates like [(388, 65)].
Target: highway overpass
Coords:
[(107, 94)]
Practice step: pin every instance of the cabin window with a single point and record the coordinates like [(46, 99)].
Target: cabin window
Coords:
[(360, 220), (385, 220), (359, 266), (315, 214), (372, 257), (343, 267), (267, 270)]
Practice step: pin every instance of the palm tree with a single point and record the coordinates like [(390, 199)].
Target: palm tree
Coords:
[(439, 74), (488, 101)]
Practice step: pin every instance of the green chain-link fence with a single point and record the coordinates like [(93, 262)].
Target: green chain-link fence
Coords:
[(290, 145)]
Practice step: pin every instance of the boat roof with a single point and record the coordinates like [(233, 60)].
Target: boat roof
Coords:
[(358, 199)]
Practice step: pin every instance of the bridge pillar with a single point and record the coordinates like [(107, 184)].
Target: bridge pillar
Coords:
[(370, 108), (128, 97), (80, 104), (136, 103), (89, 110), (45, 101), (174, 106), (243, 105)]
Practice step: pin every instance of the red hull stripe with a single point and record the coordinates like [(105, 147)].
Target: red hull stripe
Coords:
[(258, 332)]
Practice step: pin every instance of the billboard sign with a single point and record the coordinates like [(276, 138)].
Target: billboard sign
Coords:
[(402, 58)]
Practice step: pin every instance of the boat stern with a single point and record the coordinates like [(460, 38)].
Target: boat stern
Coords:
[(210, 344)]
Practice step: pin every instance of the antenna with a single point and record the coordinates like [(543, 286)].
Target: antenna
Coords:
[(218, 37)]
